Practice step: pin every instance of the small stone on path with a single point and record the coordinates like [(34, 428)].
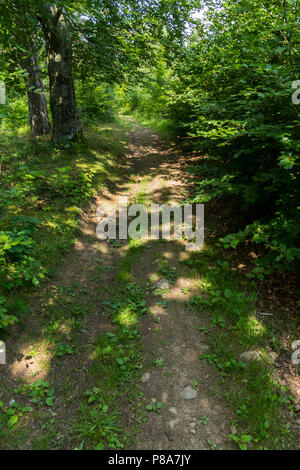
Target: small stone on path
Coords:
[(204, 347), (273, 356), (163, 284), (189, 393), (145, 377), (250, 356), (172, 423)]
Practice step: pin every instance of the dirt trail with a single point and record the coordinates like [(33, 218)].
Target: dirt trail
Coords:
[(194, 413)]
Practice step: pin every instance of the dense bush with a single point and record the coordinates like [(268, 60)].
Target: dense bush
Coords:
[(231, 94), (96, 100)]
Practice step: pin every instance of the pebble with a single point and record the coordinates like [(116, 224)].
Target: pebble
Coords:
[(204, 347), (250, 356), (256, 356), (145, 377), (172, 423), (189, 393), (273, 357), (163, 284), (233, 430)]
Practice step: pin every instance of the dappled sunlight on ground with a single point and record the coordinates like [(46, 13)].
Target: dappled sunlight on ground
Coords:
[(81, 320), (32, 362)]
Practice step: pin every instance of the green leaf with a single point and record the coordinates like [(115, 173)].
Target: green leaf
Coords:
[(12, 421), (246, 438), (243, 446), (100, 446)]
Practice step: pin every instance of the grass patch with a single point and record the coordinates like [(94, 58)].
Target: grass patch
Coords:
[(116, 360), (44, 190), (255, 395), (164, 127), (124, 273)]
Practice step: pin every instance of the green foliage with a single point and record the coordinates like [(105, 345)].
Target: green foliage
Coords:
[(242, 441), (62, 349), (116, 360), (167, 271), (39, 392), (253, 392), (96, 101), (241, 113), (98, 424), (155, 406), (69, 183), (17, 266), (43, 189), (116, 356), (129, 306), (225, 87), (10, 415), (229, 93)]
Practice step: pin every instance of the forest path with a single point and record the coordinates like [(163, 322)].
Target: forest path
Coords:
[(61, 355), (194, 413)]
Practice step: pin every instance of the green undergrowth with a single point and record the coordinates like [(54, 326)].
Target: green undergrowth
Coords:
[(259, 401), (164, 127), (57, 336), (113, 360), (117, 357), (124, 273), (116, 361), (44, 189)]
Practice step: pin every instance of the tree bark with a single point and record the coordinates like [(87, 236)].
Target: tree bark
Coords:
[(37, 104), (65, 120)]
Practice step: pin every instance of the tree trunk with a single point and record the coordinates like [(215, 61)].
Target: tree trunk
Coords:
[(65, 121), (37, 104)]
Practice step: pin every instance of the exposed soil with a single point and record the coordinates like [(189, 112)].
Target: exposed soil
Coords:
[(174, 339)]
